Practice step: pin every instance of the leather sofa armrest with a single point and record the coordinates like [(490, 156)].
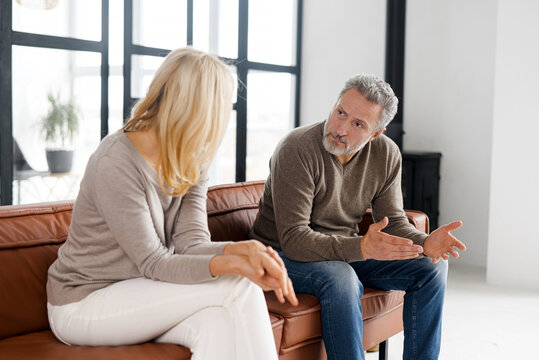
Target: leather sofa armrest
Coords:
[(417, 218)]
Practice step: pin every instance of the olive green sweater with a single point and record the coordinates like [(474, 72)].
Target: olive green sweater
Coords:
[(124, 226), (312, 205)]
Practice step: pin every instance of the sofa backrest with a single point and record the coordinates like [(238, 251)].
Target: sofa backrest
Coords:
[(232, 209), (30, 236)]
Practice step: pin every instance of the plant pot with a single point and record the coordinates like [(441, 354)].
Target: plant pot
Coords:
[(59, 160)]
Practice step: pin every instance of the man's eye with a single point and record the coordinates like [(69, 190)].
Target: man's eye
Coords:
[(359, 125)]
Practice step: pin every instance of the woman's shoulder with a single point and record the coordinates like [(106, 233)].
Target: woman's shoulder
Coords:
[(113, 156), (115, 146)]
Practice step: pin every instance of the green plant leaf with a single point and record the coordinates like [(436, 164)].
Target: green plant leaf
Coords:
[(61, 123)]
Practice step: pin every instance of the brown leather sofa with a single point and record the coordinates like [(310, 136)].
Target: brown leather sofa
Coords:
[(30, 236)]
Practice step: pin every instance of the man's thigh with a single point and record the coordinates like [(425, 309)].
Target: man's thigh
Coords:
[(314, 277), (398, 274)]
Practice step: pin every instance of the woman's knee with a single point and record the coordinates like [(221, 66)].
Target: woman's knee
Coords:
[(204, 332), (241, 289)]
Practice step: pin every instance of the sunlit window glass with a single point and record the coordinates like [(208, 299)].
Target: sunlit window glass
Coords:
[(215, 27), (43, 80), (74, 18), (272, 31), (223, 169), (142, 71), (160, 23), (270, 114)]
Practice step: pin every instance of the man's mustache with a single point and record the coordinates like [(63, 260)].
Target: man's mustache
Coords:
[(338, 137)]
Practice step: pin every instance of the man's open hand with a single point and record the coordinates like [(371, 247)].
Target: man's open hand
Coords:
[(381, 246), (440, 244)]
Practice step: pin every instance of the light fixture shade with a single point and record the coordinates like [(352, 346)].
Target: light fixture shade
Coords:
[(39, 4)]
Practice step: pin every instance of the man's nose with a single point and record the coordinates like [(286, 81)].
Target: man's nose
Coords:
[(342, 128)]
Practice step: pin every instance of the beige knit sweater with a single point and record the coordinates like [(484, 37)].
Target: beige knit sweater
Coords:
[(124, 226)]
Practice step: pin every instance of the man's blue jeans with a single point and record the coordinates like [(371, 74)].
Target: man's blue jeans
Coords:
[(339, 287)]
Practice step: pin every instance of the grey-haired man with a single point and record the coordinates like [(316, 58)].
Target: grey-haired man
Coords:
[(323, 177)]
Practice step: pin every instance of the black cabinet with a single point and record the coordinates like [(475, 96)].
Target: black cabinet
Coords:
[(420, 183)]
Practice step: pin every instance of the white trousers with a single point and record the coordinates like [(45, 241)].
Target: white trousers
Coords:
[(222, 319)]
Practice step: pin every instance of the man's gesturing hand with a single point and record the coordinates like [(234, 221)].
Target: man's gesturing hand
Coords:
[(441, 244), (381, 246)]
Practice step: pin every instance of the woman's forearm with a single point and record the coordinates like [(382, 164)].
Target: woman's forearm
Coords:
[(225, 264)]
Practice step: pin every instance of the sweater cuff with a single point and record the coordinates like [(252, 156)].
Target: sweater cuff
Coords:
[(199, 269), (419, 239), (351, 248)]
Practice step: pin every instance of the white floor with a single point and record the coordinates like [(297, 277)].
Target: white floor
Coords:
[(482, 321)]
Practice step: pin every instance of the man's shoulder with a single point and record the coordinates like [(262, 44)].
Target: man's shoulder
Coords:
[(303, 136), (383, 144)]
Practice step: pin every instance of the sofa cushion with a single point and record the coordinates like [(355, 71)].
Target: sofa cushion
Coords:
[(277, 323), (302, 323), (43, 345), (377, 302)]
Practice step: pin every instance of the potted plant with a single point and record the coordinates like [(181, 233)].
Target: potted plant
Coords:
[(59, 127)]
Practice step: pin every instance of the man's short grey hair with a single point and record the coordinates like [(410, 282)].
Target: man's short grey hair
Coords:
[(377, 91)]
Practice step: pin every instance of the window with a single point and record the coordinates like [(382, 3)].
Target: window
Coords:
[(57, 49), (106, 63), (266, 58)]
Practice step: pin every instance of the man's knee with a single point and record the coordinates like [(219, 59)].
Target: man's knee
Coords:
[(339, 280), (436, 274)]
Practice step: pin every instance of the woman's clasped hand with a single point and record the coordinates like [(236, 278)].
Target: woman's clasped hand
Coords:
[(259, 263)]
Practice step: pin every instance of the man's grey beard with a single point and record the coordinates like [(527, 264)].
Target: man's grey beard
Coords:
[(333, 149)]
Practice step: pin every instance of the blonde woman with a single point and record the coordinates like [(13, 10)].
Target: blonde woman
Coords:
[(138, 264)]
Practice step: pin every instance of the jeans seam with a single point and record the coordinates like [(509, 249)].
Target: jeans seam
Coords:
[(319, 285), (414, 325), (330, 332)]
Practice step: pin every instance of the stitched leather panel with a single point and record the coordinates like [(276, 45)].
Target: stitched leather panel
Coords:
[(43, 345), (302, 323)]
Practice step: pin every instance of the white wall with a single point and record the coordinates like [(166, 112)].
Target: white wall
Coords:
[(471, 79), (448, 105), (513, 237), (340, 38)]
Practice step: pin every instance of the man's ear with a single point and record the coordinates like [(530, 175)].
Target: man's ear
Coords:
[(378, 133)]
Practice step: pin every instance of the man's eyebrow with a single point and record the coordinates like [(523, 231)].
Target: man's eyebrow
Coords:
[(366, 124)]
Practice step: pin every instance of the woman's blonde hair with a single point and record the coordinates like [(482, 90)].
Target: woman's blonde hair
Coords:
[(188, 106)]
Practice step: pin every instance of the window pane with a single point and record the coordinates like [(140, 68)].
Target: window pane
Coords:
[(215, 27), (223, 169), (116, 33), (160, 23), (116, 87), (272, 31), (116, 60), (143, 69), (37, 72), (75, 18), (270, 115)]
